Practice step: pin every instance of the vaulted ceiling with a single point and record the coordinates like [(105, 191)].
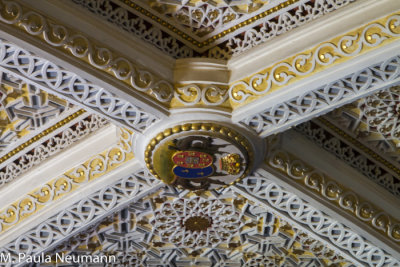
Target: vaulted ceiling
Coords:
[(288, 109)]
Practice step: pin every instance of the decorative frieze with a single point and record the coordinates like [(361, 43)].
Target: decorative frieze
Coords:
[(283, 115), (50, 77), (79, 216), (353, 153), (215, 29), (80, 175), (81, 47), (332, 52), (323, 186), (50, 147), (270, 195)]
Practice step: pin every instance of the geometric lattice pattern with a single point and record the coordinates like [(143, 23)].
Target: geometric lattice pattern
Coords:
[(374, 120), (208, 230), (203, 17), (206, 20), (139, 222), (24, 108), (352, 155), (50, 147)]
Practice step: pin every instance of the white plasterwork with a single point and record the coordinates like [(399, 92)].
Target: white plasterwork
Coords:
[(267, 190), (354, 186), (340, 172), (106, 33), (257, 187), (62, 138), (284, 110), (58, 165), (92, 204), (65, 84), (316, 32), (358, 158)]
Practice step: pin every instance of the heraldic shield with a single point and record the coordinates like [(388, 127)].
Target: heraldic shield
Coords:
[(198, 156)]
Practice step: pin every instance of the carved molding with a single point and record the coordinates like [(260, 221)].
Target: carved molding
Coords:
[(50, 147), (80, 215), (266, 208), (68, 182), (210, 95), (323, 99), (53, 78), (353, 153), (337, 50), (224, 30), (264, 192), (327, 54), (345, 199), (83, 48)]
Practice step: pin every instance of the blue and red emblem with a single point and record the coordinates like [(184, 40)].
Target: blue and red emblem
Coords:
[(192, 164)]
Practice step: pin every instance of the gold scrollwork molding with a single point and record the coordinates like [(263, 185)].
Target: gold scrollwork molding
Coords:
[(337, 194), (294, 68), (80, 46), (320, 57), (215, 37), (200, 95), (39, 136), (71, 180)]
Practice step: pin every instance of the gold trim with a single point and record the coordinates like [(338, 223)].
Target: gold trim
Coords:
[(310, 178), (301, 65), (71, 42), (57, 188), (37, 137), (359, 145), (214, 38), (207, 128), (322, 56)]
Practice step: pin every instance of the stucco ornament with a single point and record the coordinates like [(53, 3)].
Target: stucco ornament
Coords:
[(199, 156)]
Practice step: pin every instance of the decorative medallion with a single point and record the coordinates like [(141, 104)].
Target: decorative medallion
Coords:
[(199, 156)]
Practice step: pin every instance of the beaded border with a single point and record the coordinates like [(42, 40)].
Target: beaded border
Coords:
[(207, 128)]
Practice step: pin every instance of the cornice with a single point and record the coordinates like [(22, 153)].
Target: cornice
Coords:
[(84, 49), (264, 188), (49, 77), (363, 159), (334, 51), (191, 89), (59, 187), (278, 116), (81, 212), (316, 32), (64, 137), (232, 31), (343, 198)]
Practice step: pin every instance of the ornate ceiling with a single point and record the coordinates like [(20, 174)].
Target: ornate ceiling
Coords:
[(199, 133)]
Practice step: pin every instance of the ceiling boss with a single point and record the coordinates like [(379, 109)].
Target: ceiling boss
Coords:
[(199, 156)]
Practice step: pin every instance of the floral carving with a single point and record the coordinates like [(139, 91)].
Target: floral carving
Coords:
[(196, 222)]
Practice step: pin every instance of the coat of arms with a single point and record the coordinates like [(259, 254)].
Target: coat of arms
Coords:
[(200, 161)]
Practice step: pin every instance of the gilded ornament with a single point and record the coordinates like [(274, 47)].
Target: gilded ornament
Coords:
[(66, 183), (330, 53), (337, 194), (199, 156)]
